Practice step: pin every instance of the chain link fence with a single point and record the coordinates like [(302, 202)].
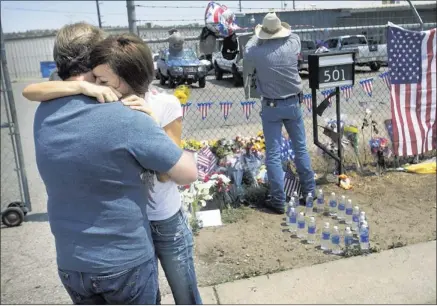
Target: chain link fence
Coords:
[(14, 188), (220, 110)]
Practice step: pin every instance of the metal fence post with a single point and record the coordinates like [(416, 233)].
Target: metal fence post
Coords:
[(16, 131)]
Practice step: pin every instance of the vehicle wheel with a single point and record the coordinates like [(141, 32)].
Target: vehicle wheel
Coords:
[(202, 82), (12, 216), (374, 66), (218, 72), (171, 82), (189, 82), (161, 78), (20, 205), (238, 79)]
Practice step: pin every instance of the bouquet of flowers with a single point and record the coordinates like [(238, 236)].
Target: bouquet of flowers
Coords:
[(253, 157), (182, 92), (196, 194), (220, 189), (191, 145)]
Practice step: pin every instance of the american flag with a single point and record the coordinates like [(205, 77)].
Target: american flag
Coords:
[(291, 183), (308, 102), (206, 161), (326, 93), (203, 108), (287, 152), (225, 108), (347, 91), (412, 62), (247, 108), (385, 77), (185, 108), (367, 85)]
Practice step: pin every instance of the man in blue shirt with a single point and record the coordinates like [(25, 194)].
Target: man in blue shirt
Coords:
[(90, 157), (273, 53)]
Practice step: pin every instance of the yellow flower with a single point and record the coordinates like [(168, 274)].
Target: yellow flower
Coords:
[(182, 92)]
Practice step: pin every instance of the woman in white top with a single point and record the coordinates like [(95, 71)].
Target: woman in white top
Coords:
[(171, 233)]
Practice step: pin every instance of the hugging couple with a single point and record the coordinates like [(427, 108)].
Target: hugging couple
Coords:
[(111, 171)]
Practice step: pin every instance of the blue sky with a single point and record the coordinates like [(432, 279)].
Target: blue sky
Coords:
[(19, 16)]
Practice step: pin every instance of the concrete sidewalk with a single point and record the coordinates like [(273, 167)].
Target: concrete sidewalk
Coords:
[(400, 276)]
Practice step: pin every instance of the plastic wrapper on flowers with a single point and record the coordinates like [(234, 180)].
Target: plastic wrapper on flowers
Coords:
[(253, 160), (220, 190)]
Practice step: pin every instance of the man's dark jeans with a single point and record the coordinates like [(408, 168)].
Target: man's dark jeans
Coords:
[(138, 285)]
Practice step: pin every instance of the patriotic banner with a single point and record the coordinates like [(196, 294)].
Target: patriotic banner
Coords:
[(206, 162), (185, 108), (225, 108), (326, 93), (291, 184), (385, 77), (412, 61), (220, 19), (367, 85), (203, 107), (308, 102), (347, 91), (247, 108)]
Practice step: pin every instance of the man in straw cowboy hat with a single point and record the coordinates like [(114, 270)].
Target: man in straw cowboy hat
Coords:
[(273, 53)]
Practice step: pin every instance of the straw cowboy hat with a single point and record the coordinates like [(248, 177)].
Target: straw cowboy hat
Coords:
[(272, 28)]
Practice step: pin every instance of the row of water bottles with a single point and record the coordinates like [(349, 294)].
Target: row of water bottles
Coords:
[(330, 239)]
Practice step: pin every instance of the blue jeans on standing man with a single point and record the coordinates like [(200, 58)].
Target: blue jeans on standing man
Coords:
[(173, 240), (136, 286), (285, 112)]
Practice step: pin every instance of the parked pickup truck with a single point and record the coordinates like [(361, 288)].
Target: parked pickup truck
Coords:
[(181, 68), (232, 63), (366, 54), (307, 47)]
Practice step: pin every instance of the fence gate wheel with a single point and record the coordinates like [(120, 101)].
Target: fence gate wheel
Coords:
[(12, 216)]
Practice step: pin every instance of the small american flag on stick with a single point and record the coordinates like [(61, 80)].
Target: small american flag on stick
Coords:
[(291, 183), (206, 161), (412, 62)]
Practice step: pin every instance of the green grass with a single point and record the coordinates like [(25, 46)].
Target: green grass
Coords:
[(232, 215)]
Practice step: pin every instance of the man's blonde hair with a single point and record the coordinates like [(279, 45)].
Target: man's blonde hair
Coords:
[(73, 45)]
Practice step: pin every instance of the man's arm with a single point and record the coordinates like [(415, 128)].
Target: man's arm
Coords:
[(154, 150)]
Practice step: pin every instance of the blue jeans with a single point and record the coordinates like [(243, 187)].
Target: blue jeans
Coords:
[(136, 286), (173, 242), (287, 112)]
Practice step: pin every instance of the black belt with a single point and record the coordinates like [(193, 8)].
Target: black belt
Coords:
[(272, 102)]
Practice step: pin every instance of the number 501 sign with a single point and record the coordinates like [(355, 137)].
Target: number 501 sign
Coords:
[(331, 69)]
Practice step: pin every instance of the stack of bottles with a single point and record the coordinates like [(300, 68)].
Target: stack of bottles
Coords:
[(302, 224)]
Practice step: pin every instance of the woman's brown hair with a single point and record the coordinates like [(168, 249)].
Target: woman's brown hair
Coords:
[(129, 57)]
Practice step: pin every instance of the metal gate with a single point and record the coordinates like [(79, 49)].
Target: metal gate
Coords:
[(15, 199)]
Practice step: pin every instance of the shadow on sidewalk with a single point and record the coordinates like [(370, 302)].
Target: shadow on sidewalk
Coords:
[(37, 217)]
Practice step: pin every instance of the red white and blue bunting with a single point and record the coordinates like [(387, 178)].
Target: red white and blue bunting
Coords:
[(247, 108), (385, 77), (367, 85), (326, 93), (185, 109), (225, 107), (203, 107), (347, 91), (308, 102)]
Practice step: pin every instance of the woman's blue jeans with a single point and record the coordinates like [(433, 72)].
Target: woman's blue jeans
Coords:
[(286, 113), (173, 242)]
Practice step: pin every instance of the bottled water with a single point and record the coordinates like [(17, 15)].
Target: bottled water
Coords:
[(332, 205), (290, 204), (309, 205), (348, 237), (362, 218), (364, 237), (292, 220), (325, 242), (296, 199), (349, 211), (301, 226), (335, 241), (341, 208), (311, 238), (320, 202), (355, 218)]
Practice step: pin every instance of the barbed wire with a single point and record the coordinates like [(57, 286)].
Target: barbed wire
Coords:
[(55, 11), (157, 20), (201, 7)]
